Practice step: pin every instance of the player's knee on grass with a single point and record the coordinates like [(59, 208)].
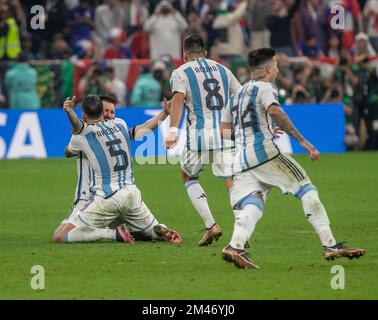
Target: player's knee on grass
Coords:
[(59, 236)]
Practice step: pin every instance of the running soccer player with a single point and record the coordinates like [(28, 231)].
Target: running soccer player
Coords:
[(204, 86), (259, 165), (107, 147)]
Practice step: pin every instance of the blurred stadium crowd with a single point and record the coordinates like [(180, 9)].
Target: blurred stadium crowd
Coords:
[(128, 48)]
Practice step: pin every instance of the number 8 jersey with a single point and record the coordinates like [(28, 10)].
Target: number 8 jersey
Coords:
[(207, 86), (108, 149)]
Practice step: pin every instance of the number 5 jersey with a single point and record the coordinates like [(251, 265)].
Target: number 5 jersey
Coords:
[(107, 147)]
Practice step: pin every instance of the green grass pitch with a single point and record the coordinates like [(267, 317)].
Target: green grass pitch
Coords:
[(35, 196)]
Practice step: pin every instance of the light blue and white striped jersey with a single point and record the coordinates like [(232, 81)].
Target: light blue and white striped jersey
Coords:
[(247, 111), (85, 178), (108, 149), (207, 86)]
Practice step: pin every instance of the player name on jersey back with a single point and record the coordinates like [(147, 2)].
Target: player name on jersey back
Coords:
[(107, 147), (207, 86), (108, 131)]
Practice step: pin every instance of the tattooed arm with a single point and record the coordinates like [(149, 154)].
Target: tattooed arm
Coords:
[(283, 121), (76, 124)]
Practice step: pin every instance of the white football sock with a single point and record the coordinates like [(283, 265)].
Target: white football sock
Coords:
[(199, 201), (245, 222), (88, 234), (316, 215)]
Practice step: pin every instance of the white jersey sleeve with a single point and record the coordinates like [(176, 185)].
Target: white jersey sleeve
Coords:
[(74, 146), (269, 96), (178, 82)]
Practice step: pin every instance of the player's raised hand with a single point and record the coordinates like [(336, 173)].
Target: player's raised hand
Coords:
[(314, 153), (172, 138), (69, 104)]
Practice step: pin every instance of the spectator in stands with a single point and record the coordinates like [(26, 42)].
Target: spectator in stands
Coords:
[(81, 22), (56, 14), (317, 85), (94, 82), (300, 93), (371, 16), (334, 46), (165, 28), (362, 46), (257, 15), (184, 6), (84, 49), (147, 88), (21, 86), (279, 25), (352, 19), (285, 77), (115, 87), (364, 80), (107, 17), (311, 48), (18, 12), (195, 25), (314, 22), (60, 48), (27, 43), (136, 14), (10, 46), (117, 48), (230, 43)]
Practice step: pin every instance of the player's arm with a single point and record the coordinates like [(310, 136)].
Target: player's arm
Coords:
[(153, 123), (177, 104), (76, 124), (178, 87), (68, 153), (282, 120), (73, 148), (226, 129)]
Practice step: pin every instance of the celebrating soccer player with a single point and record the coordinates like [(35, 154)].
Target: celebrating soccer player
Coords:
[(259, 165), (106, 145), (204, 86)]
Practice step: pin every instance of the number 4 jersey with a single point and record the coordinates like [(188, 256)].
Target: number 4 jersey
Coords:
[(207, 86), (108, 149), (247, 111)]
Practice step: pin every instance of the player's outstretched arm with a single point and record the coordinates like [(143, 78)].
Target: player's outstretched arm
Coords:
[(177, 103), (68, 154), (76, 124), (154, 122), (283, 121)]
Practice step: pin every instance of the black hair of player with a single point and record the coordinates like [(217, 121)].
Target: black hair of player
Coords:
[(194, 43), (258, 57), (92, 106), (109, 98)]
